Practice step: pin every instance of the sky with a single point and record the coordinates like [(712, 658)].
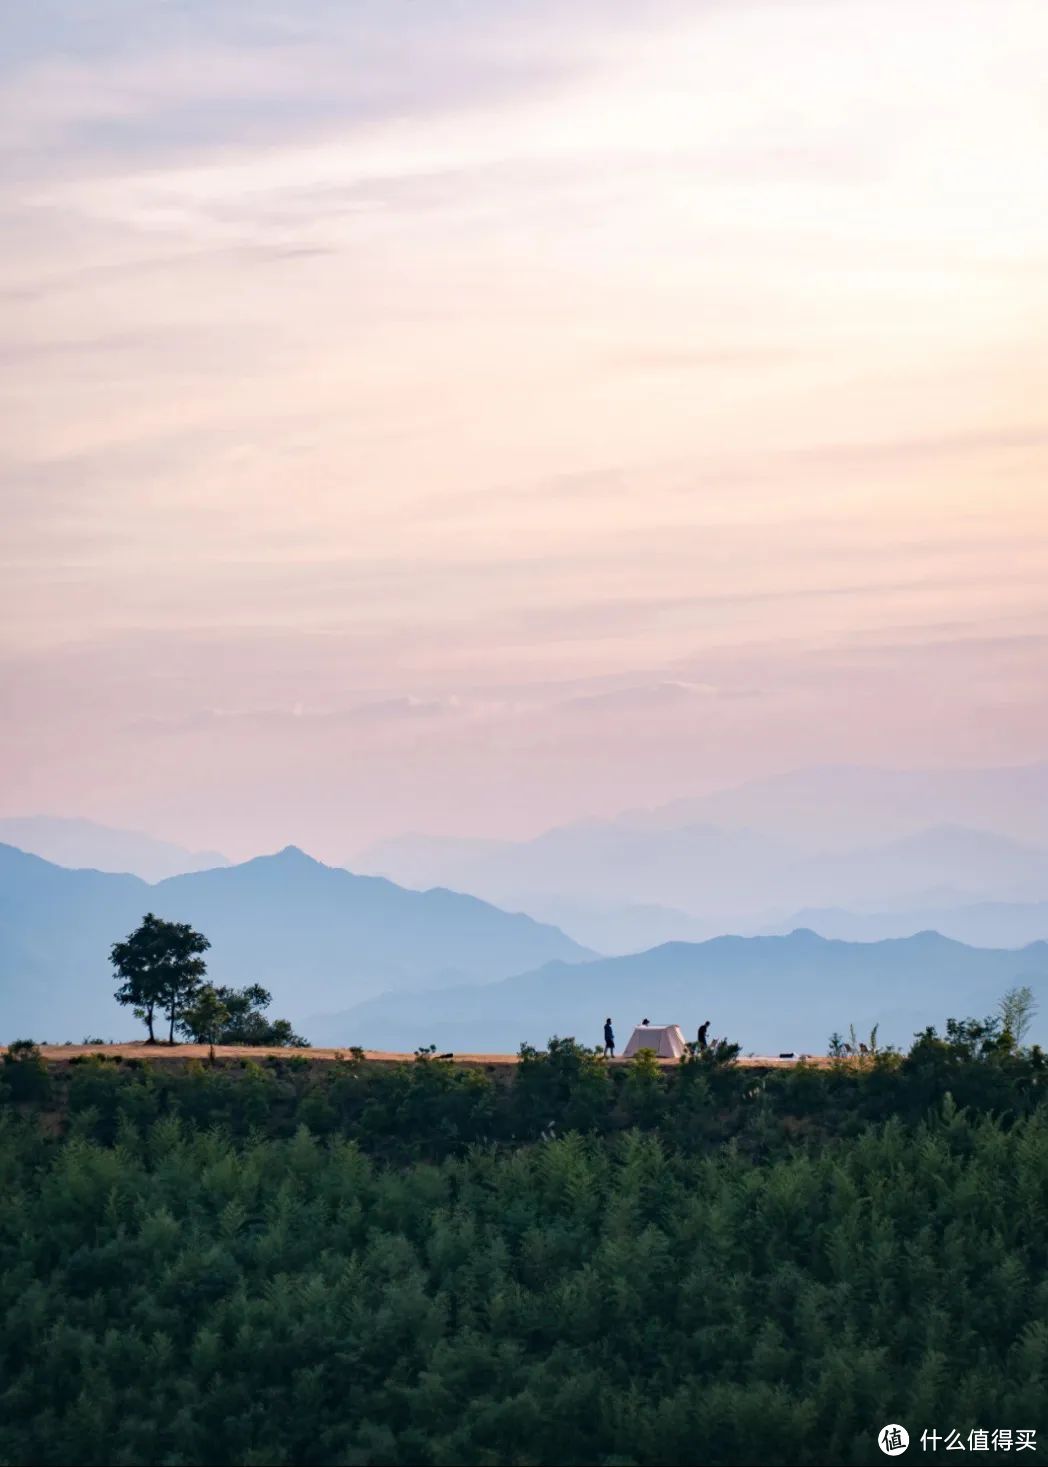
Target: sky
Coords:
[(467, 418)]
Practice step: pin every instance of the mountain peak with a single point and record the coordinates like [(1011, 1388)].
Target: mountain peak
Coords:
[(294, 855)]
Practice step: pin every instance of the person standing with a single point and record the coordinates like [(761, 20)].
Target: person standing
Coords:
[(609, 1039), (704, 1030)]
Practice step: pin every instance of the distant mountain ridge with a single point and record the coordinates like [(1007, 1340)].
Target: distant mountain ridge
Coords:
[(982, 924), (768, 993), (840, 806), (311, 933), (723, 877), (617, 931), (85, 844)]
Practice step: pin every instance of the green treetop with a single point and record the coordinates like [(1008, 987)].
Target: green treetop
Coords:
[(160, 969)]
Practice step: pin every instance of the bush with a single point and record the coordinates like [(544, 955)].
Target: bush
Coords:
[(25, 1073)]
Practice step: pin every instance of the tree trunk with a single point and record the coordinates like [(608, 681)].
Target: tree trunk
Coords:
[(171, 1026), (149, 1025)]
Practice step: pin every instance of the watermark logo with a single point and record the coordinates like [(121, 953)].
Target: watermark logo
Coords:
[(893, 1440)]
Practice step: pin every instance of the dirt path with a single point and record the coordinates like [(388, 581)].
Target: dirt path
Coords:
[(181, 1053)]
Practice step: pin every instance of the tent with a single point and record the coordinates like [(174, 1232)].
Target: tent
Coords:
[(665, 1039)]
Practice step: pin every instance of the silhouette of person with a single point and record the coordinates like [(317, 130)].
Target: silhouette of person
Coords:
[(704, 1029), (609, 1039)]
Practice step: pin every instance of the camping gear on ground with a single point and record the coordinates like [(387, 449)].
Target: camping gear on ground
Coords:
[(666, 1040)]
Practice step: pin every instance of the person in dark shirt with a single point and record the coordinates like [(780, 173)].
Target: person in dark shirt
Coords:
[(609, 1039), (704, 1029)]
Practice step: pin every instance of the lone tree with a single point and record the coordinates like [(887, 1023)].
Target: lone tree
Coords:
[(160, 969), (1018, 1009)]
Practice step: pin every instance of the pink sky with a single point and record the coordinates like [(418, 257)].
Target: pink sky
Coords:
[(468, 418)]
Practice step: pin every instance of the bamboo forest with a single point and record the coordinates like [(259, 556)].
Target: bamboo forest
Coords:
[(290, 1262)]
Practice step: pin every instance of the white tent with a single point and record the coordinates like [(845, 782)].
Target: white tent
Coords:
[(665, 1039)]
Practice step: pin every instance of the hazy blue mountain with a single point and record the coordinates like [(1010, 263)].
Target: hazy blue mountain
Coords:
[(697, 869), (985, 924), (768, 993), (844, 806), (944, 857), (315, 935), (628, 928), (56, 927), (82, 843), (726, 877)]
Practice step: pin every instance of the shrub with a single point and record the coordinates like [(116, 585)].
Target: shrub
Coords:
[(25, 1072)]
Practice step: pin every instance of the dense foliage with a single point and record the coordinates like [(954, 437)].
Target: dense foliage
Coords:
[(161, 971), (226, 1015), (349, 1263)]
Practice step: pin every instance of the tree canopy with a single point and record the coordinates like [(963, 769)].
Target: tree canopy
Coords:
[(342, 1263), (160, 968), (205, 1016), (245, 1021)]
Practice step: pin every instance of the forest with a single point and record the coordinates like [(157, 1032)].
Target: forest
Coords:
[(291, 1262)]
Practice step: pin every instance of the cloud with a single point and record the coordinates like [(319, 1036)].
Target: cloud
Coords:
[(657, 359), (176, 87), (595, 485), (377, 712), (642, 699), (968, 441)]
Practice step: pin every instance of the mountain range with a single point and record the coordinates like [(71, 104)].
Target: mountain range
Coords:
[(840, 806), (727, 879), (983, 924), (867, 852), (312, 934), (631, 928), (814, 811), (895, 878), (768, 993), (358, 959), (84, 843), (852, 852)]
